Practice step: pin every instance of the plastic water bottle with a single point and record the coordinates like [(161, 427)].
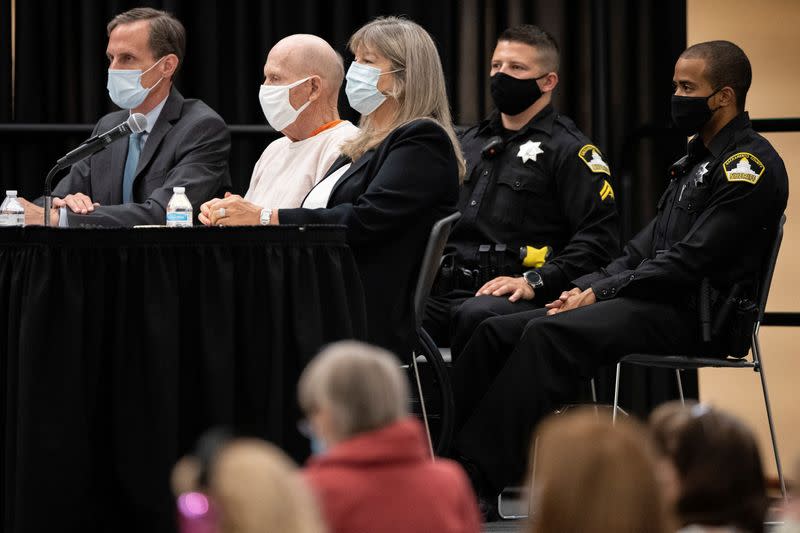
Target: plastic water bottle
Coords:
[(179, 209), (11, 211)]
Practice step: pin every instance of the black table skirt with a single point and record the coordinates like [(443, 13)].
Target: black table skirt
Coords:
[(119, 347)]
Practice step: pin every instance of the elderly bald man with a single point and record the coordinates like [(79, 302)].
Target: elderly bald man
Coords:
[(302, 78)]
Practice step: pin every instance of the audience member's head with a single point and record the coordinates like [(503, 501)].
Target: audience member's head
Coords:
[(592, 476), (302, 78), (396, 77), (247, 486), (721, 481), (351, 388), (258, 489)]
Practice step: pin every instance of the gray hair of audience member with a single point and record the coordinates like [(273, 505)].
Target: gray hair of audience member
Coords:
[(309, 55), (258, 489), (593, 476), (718, 466), (419, 87), (167, 34), (362, 385)]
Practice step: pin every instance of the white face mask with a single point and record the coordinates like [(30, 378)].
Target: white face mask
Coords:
[(276, 105), (125, 86), (362, 87)]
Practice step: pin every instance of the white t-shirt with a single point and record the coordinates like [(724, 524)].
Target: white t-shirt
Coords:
[(287, 171)]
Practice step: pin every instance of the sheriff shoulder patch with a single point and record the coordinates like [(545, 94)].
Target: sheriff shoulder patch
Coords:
[(590, 155), (743, 166), (606, 191)]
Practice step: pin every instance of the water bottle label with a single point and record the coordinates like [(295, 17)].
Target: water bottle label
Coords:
[(176, 216), (179, 218), (12, 219)]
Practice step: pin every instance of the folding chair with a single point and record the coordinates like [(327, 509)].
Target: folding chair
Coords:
[(427, 274), (682, 362)]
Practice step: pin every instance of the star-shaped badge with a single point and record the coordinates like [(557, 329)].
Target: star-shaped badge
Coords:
[(702, 171), (529, 151)]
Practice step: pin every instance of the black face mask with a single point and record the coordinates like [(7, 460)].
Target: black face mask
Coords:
[(690, 113), (512, 95)]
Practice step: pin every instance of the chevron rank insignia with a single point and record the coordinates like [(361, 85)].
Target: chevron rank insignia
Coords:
[(606, 191), (591, 155), (743, 166)]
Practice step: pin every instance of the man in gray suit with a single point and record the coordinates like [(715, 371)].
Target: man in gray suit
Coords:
[(186, 144)]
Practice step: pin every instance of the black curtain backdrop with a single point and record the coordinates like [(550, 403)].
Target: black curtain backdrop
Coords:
[(617, 63), (120, 347)]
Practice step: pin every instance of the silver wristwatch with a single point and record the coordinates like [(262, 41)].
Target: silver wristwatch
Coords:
[(266, 215), (534, 279)]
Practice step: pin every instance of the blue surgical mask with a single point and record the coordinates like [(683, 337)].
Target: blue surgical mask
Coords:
[(125, 87), (362, 87), (318, 446)]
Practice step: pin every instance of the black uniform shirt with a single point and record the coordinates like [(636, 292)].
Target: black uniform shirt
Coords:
[(717, 219), (548, 187)]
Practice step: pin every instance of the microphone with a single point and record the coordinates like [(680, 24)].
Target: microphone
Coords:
[(493, 147), (136, 123)]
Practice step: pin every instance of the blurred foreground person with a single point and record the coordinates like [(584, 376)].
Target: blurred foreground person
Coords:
[(720, 481), (594, 477), (242, 486), (372, 469)]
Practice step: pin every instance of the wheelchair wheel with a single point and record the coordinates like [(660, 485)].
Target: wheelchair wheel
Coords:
[(437, 392)]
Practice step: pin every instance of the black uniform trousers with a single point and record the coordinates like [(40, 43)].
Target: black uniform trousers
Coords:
[(451, 318), (518, 368)]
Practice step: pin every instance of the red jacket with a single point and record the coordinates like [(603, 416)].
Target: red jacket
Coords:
[(384, 481)]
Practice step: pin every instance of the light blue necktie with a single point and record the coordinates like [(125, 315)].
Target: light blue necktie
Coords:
[(134, 151)]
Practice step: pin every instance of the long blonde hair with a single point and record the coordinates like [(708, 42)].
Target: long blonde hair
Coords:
[(593, 477), (259, 489), (419, 87)]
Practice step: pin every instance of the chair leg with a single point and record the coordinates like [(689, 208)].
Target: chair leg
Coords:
[(422, 403), (756, 347), (616, 396), (594, 390), (680, 385)]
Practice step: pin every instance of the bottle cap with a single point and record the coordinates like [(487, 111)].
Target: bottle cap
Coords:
[(178, 189), (11, 193)]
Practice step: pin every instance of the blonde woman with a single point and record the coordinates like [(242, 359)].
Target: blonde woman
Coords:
[(252, 486), (394, 180), (595, 477)]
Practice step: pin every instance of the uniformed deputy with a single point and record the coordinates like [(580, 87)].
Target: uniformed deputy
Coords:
[(536, 188), (715, 222)]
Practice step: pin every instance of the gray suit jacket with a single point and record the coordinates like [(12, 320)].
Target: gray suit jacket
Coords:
[(188, 147)]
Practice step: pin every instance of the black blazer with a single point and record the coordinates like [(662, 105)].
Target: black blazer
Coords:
[(389, 199), (188, 146)]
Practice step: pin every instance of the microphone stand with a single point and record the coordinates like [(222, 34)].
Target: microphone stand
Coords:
[(136, 123), (48, 199)]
